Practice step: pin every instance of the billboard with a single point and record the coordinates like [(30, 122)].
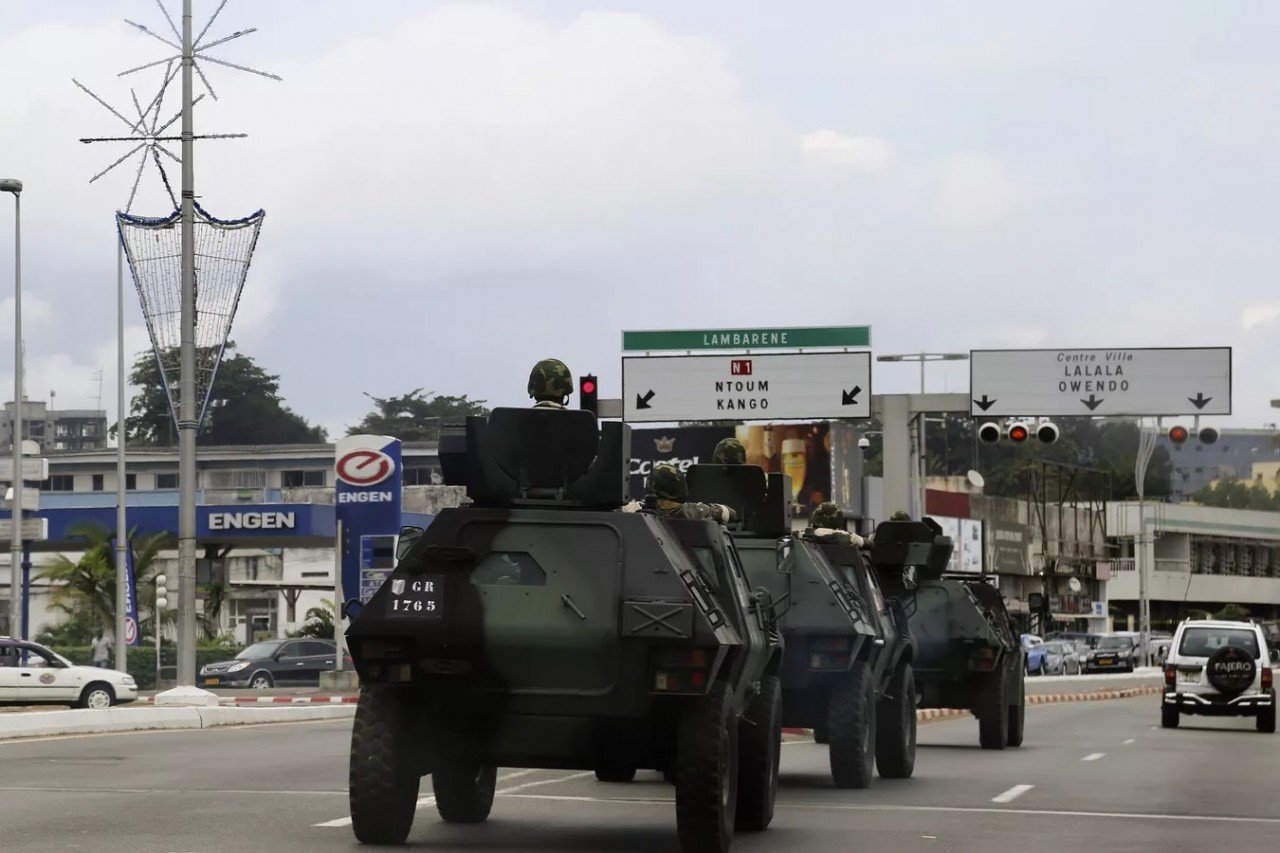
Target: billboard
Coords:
[(802, 451), (966, 533), (368, 494)]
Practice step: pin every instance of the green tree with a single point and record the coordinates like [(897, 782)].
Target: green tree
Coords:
[(415, 416), (319, 621), (244, 408), (1238, 494), (209, 620)]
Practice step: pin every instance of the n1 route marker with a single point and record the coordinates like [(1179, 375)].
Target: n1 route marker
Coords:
[(1112, 382), (775, 387)]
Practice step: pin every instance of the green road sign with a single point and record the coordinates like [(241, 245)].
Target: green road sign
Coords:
[(734, 338)]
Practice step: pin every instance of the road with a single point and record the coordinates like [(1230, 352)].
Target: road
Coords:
[(1099, 776)]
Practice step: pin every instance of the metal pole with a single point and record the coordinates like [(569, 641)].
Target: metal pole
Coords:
[(186, 640), (1146, 446), (122, 562), (920, 445), (15, 541), (337, 596), (26, 591)]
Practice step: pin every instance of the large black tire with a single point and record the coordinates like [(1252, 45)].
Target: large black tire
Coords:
[(1169, 716), (616, 772), (993, 710), (707, 773), (464, 787), (383, 781), (1267, 717), (820, 734), (851, 723), (759, 749), (896, 727), (1017, 724)]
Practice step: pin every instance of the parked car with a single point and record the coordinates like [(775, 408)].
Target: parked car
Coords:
[(271, 663), (31, 674), (1220, 669), (1114, 653), (1034, 648), (1061, 658), (1088, 640)]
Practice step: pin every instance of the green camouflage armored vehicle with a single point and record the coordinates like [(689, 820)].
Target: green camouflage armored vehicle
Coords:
[(847, 665), (540, 627), (968, 653)]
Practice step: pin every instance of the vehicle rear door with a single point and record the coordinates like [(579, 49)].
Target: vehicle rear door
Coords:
[(320, 658), (290, 664), (8, 672)]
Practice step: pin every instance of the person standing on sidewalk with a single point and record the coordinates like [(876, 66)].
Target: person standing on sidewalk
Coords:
[(101, 650)]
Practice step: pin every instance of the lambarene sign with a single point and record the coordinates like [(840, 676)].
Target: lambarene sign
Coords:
[(370, 476)]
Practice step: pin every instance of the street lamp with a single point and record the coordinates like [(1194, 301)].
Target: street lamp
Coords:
[(923, 357), (12, 185)]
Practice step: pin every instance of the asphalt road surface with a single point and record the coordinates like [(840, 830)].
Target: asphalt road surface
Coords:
[(1094, 776)]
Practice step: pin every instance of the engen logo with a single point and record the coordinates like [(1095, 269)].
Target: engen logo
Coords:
[(364, 467), (252, 521)]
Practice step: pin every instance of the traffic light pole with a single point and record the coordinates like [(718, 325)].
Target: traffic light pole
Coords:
[(1144, 550)]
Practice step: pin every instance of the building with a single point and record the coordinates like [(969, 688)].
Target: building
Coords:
[(1196, 465), (265, 522), (55, 430)]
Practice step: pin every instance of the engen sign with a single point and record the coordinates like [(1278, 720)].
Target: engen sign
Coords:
[(369, 479)]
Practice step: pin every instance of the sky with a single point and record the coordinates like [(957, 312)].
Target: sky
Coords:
[(455, 190)]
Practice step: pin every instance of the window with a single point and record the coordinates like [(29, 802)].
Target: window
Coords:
[(509, 568), (62, 483), (316, 648), (1202, 642), (166, 481), (301, 479), (131, 482), (99, 482), (241, 479), (423, 477)]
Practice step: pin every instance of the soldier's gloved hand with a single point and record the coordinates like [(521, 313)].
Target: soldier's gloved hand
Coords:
[(725, 515), (634, 506)]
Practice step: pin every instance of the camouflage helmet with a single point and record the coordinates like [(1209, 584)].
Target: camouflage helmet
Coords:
[(729, 452), (828, 515), (899, 516), (668, 483), (550, 379)]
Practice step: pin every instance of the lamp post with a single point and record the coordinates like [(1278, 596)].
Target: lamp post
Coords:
[(16, 629), (922, 357)]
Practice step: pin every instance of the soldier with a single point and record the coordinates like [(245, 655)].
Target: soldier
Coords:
[(826, 524), (729, 451), (550, 384), (667, 482)]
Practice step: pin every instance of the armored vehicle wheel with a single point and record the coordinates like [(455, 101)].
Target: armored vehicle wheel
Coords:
[(706, 770), (1170, 716), (993, 710), (616, 772), (820, 734), (896, 727), (464, 788), (759, 748), (383, 782), (851, 723), (1017, 712)]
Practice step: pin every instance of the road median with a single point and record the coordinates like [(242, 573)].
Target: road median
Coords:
[(121, 719)]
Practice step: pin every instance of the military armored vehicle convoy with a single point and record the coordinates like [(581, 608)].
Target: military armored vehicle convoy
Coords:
[(968, 653), (540, 627)]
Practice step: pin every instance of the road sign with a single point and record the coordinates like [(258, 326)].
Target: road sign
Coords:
[(33, 529), (34, 470), (800, 386), (741, 339), (1133, 382)]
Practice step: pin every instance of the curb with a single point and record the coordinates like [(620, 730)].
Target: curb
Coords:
[(87, 722), (227, 701), (925, 715)]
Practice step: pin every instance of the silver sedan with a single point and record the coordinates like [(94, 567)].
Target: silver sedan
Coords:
[(1061, 658)]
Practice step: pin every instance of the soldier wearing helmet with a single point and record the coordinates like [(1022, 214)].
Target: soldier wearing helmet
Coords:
[(668, 484), (729, 451), (550, 384), (826, 524)]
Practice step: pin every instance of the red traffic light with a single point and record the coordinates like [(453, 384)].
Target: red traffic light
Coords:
[(1018, 433), (1178, 434), (588, 386), (587, 389)]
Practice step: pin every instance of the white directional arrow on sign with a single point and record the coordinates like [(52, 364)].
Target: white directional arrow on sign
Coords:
[(799, 386), (1133, 382)]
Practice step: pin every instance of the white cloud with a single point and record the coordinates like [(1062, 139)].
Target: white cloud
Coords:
[(976, 192), (36, 314), (869, 155), (1260, 314)]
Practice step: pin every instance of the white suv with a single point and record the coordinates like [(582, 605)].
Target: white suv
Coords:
[(1219, 669)]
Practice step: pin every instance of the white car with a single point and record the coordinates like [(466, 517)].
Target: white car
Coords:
[(1220, 669), (31, 674)]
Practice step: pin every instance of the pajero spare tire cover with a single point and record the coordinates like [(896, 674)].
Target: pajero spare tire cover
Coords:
[(1231, 670)]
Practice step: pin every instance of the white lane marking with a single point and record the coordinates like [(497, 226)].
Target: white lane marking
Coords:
[(1093, 756), (1129, 741), (516, 774), (1266, 821), (1012, 794)]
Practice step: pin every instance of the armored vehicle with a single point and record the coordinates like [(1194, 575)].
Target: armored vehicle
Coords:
[(540, 627), (847, 665), (968, 654)]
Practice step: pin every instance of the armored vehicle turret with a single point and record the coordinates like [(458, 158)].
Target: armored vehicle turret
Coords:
[(541, 627)]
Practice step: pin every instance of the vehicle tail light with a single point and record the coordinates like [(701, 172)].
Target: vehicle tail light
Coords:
[(1266, 678), (680, 669), (830, 653), (1170, 676), (983, 658)]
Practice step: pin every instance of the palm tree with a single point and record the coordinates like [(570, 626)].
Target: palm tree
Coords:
[(215, 595)]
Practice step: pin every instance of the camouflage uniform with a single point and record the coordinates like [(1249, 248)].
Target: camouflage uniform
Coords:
[(826, 524), (667, 482), (550, 384), (729, 451)]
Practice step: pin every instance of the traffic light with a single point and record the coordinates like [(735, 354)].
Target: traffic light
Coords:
[(1018, 432), (1208, 435), (588, 393), (1178, 434), (989, 433), (1047, 432)]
